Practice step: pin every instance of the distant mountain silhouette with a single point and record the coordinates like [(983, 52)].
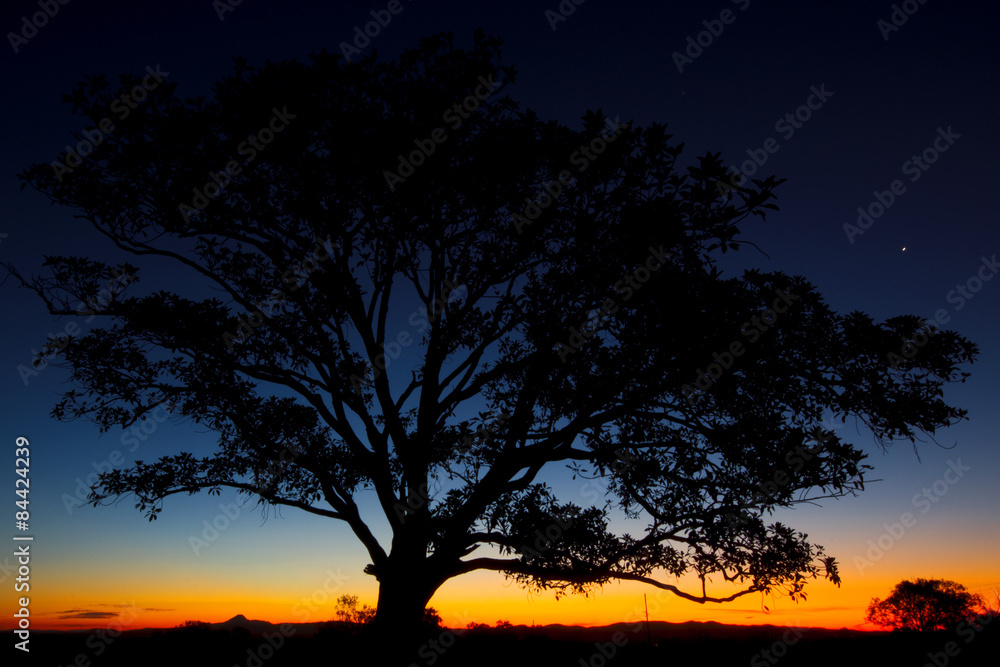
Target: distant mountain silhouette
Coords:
[(241, 621)]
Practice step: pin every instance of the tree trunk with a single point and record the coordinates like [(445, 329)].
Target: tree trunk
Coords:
[(397, 631)]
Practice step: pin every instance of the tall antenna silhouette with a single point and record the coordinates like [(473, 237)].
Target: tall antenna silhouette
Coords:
[(649, 639)]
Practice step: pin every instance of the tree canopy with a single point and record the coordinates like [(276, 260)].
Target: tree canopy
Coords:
[(925, 605), (391, 280)]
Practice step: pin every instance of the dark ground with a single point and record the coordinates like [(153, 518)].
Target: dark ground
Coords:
[(336, 645)]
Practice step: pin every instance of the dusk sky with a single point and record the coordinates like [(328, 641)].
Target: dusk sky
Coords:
[(855, 111)]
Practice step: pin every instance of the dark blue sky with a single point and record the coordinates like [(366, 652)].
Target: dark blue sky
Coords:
[(927, 91)]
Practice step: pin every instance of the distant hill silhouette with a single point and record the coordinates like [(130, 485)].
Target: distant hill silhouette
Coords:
[(680, 631), (241, 621)]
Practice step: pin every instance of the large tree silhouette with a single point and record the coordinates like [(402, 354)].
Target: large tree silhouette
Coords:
[(411, 287), (925, 605)]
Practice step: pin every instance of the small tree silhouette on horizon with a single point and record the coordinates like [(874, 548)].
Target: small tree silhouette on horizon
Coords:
[(347, 610), (925, 605)]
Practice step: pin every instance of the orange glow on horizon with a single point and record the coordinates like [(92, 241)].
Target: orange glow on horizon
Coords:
[(479, 598)]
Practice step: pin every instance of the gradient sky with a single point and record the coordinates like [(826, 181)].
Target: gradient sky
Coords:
[(894, 92)]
